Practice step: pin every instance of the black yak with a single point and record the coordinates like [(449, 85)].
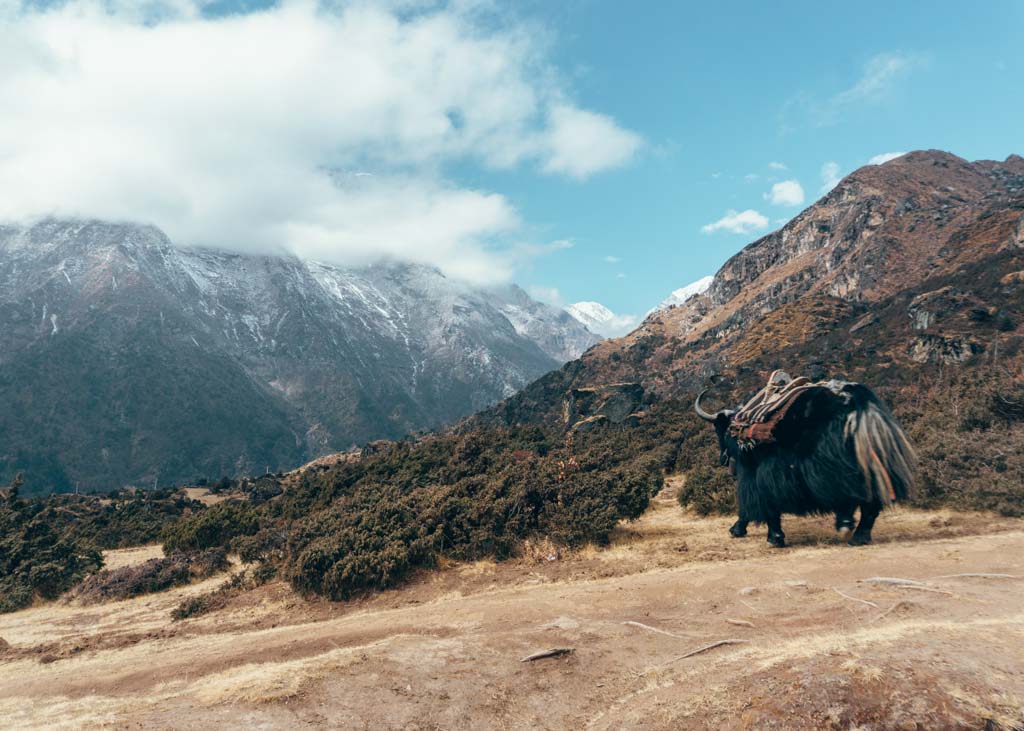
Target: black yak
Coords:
[(828, 448)]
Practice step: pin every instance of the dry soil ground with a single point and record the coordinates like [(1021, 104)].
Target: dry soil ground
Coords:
[(817, 645)]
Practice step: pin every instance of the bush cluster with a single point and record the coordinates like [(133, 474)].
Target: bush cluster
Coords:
[(370, 524), (156, 574), (36, 561), (213, 527)]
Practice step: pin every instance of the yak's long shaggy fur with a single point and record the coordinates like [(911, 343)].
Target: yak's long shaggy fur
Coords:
[(883, 452), (832, 454)]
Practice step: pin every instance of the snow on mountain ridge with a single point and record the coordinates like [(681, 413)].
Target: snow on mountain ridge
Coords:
[(682, 294), (318, 357), (598, 318)]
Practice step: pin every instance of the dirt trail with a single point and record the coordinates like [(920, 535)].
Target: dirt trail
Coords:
[(820, 647)]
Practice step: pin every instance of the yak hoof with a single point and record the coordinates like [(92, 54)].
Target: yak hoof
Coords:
[(860, 539), (738, 531), (778, 540), (844, 527)]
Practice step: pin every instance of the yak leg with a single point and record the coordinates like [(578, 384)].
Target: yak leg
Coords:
[(739, 528), (868, 513), (845, 522), (775, 535)]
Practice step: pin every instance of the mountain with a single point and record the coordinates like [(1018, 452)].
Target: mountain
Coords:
[(682, 294), (599, 319), (557, 332), (124, 359), (904, 275)]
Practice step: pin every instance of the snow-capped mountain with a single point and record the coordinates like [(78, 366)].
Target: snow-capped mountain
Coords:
[(557, 332), (599, 319), (682, 294), (124, 359)]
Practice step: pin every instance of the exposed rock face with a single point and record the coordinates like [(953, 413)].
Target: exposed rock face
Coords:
[(612, 403), (881, 230), (126, 360)]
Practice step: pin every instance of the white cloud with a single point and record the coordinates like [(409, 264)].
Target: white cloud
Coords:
[(581, 143), (738, 222), (320, 129), (879, 77), (885, 157), (829, 176), (620, 275), (751, 177), (551, 295), (777, 166), (786, 193), (612, 259)]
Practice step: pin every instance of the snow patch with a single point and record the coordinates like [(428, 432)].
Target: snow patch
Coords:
[(682, 294), (599, 319)]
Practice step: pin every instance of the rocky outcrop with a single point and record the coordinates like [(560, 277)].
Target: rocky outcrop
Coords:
[(607, 404), (939, 349)]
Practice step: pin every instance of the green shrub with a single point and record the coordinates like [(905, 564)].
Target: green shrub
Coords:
[(708, 490), (465, 497), (35, 561), (212, 527)]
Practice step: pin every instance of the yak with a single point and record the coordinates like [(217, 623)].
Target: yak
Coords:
[(835, 448)]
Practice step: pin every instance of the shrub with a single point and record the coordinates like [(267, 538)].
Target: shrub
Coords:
[(465, 497), (708, 490), (154, 575), (212, 527), (35, 561)]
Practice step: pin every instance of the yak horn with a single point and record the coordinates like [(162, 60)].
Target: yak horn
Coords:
[(701, 412)]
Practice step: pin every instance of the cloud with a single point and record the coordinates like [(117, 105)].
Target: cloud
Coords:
[(879, 76), (581, 143), (751, 177), (742, 222), (786, 193), (620, 275), (550, 295), (885, 157), (320, 129), (829, 176), (617, 325), (612, 259), (777, 166)]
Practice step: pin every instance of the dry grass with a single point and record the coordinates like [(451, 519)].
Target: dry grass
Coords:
[(444, 650)]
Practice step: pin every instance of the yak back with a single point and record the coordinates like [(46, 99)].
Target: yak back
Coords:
[(809, 467)]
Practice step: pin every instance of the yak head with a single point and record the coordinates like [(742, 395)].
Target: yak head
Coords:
[(728, 447)]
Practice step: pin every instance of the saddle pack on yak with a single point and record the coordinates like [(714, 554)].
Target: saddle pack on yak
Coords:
[(758, 419)]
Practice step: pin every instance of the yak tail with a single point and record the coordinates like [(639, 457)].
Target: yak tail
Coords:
[(883, 451)]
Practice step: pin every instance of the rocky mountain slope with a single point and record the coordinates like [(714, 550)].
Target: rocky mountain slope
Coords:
[(126, 360), (902, 272)]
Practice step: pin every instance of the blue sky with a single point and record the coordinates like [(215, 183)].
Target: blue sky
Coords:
[(584, 149)]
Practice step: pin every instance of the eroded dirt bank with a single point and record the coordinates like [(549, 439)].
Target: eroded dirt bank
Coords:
[(820, 647)]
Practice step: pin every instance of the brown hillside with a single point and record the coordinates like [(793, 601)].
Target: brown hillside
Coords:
[(910, 264)]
